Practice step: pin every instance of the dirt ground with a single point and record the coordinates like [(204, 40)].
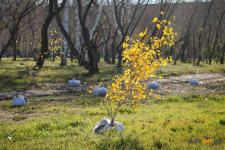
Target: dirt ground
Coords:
[(208, 83)]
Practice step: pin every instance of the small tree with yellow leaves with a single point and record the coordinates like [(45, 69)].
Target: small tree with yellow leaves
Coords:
[(54, 43), (142, 63), (142, 60)]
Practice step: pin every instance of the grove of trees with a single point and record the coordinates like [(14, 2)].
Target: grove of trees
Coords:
[(88, 30)]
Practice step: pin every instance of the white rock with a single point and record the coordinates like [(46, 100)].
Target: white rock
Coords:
[(74, 82), (101, 91), (104, 125), (193, 81), (153, 85), (19, 101)]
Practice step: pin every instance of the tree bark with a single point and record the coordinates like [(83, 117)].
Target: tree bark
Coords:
[(78, 43), (216, 38), (97, 20), (28, 46), (199, 38), (44, 36), (119, 66), (223, 52), (21, 46), (2, 40), (35, 35), (15, 49), (17, 19), (81, 60), (90, 45), (65, 25)]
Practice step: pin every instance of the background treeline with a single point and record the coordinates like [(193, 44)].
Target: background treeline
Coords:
[(89, 29)]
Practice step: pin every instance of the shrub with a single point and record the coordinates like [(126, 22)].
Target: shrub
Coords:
[(18, 118), (222, 122), (158, 144), (173, 99)]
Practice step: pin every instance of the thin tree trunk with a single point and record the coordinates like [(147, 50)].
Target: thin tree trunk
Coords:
[(78, 43), (90, 44), (28, 46), (15, 50), (194, 49), (216, 38), (65, 34), (97, 20), (119, 66), (65, 25), (22, 44), (129, 18), (35, 36), (44, 37), (115, 23), (183, 47), (113, 46), (16, 24), (223, 52), (199, 38), (113, 54), (208, 44), (2, 40), (106, 37)]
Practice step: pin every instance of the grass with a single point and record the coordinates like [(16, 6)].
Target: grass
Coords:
[(18, 74), (67, 121), (166, 123), (18, 118), (189, 68)]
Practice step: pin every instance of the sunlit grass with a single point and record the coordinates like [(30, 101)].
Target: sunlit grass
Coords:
[(189, 68), (67, 123)]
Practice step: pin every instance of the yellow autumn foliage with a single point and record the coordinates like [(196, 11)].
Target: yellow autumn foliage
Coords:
[(143, 62)]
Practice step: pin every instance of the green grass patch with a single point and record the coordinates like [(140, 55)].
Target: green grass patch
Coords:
[(54, 123), (18, 74), (18, 118), (222, 122), (189, 68)]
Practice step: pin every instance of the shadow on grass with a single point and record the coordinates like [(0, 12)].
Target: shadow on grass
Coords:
[(15, 82), (106, 73), (127, 143)]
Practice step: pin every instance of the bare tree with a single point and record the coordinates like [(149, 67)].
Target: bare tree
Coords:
[(65, 25), (125, 26), (74, 51), (17, 11), (44, 33), (185, 36), (216, 38), (200, 35)]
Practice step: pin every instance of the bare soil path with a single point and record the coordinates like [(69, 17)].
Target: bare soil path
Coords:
[(209, 83)]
